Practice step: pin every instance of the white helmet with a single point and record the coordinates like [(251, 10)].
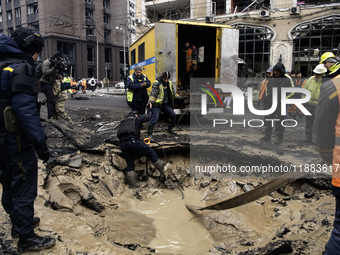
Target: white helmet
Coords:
[(320, 69)]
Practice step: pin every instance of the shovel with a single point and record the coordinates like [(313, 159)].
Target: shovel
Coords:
[(146, 172), (254, 194)]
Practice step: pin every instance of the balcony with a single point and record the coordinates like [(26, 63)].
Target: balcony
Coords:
[(108, 41), (107, 11), (17, 3), (18, 22), (9, 23), (89, 22), (107, 26), (28, 2), (33, 18), (91, 38), (90, 6)]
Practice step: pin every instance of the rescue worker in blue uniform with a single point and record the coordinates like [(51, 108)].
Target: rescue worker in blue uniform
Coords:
[(137, 94), (163, 98), (131, 145), (21, 135)]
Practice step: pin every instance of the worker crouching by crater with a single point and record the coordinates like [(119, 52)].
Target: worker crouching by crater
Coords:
[(131, 145)]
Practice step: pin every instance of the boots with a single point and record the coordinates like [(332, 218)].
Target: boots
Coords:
[(267, 134), (131, 177), (279, 140), (171, 129), (150, 132), (159, 164)]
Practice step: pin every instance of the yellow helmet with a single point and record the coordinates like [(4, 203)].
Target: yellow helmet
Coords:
[(325, 56)]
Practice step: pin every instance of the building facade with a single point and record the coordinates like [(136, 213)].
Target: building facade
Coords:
[(293, 32), (90, 33)]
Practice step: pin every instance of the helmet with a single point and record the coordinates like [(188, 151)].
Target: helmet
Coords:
[(326, 56), (320, 69), (166, 75), (29, 40), (133, 113), (270, 69)]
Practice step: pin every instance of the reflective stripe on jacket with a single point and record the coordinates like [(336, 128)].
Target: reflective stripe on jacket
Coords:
[(189, 59), (314, 87), (158, 101), (129, 93), (336, 150)]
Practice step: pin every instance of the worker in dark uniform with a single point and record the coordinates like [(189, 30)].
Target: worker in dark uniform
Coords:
[(279, 80), (21, 135), (137, 94), (131, 145)]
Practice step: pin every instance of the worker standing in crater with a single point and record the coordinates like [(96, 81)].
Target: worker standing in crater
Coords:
[(131, 145)]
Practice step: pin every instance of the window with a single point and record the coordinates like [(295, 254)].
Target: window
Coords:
[(8, 1), (68, 49), (17, 12), (133, 31), (89, 31), (132, 14), (0, 17), (10, 31), (108, 55), (107, 33), (106, 19), (9, 15), (133, 57), (254, 47), (106, 4), (313, 38), (32, 8), (132, 5), (141, 52), (90, 53), (89, 14)]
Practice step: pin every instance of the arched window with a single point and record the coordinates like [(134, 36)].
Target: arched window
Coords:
[(254, 48), (313, 38)]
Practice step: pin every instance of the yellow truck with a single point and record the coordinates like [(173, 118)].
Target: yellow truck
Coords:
[(161, 49)]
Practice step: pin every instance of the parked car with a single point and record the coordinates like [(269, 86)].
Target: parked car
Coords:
[(120, 85)]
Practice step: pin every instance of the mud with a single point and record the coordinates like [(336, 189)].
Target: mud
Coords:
[(84, 202)]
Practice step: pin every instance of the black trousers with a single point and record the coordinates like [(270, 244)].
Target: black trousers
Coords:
[(48, 92), (132, 148), (18, 195)]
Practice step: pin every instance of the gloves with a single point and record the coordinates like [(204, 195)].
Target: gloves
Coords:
[(180, 99), (42, 151), (192, 68), (149, 105)]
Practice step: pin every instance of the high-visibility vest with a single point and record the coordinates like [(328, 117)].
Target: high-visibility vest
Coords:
[(67, 79), (160, 97), (336, 150), (129, 92), (83, 83), (189, 60)]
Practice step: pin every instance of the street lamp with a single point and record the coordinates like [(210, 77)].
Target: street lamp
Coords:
[(124, 68)]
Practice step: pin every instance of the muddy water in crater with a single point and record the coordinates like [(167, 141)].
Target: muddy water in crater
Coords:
[(176, 231)]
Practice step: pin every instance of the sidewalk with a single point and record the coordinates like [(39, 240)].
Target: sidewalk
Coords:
[(111, 91)]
